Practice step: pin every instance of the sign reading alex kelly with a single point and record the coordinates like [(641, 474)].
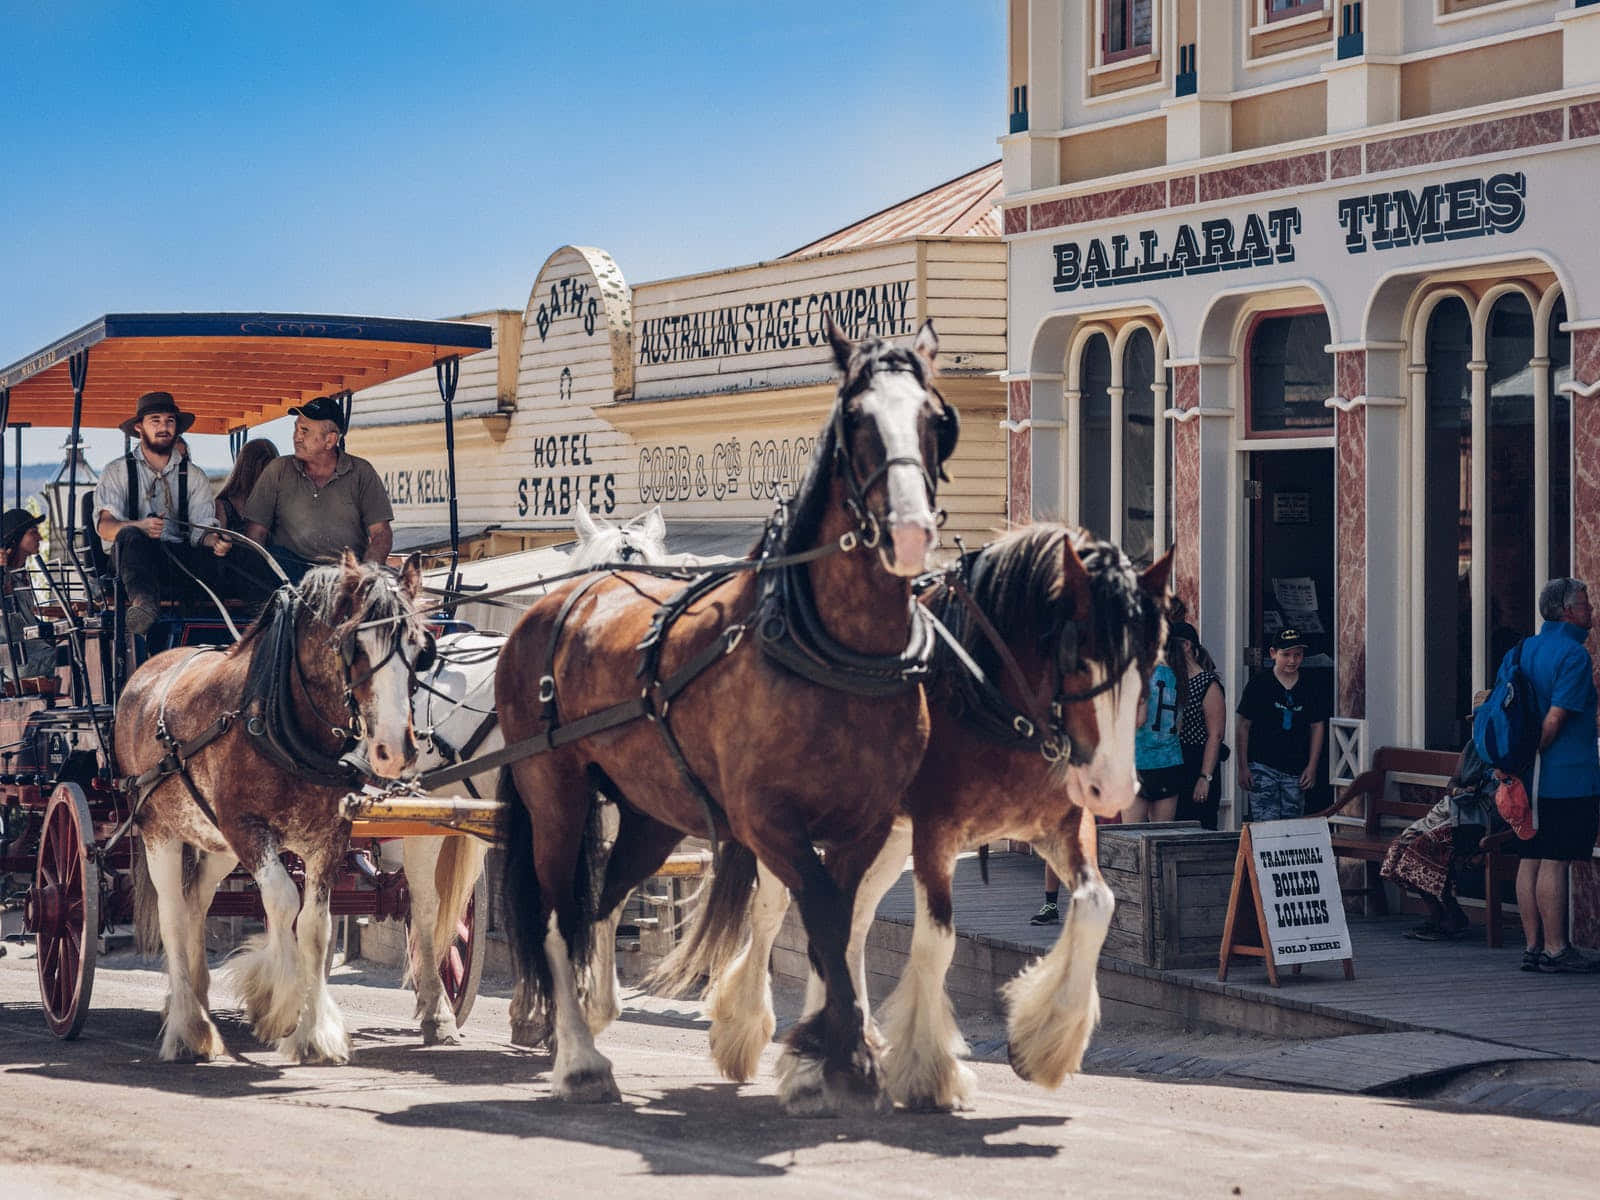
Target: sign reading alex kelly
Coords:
[(1298, 879)]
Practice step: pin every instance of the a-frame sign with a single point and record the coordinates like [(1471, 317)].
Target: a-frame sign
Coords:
[(1284, 906)]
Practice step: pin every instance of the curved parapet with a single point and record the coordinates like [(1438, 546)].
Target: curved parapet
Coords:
[(581, 305)]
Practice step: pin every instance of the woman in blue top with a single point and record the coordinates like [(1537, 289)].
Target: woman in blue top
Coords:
[(1156, 750)]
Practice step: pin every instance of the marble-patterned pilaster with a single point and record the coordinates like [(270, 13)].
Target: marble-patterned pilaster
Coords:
[(1186, 489), (1586, 565), (1019, 457), (1350, 539)]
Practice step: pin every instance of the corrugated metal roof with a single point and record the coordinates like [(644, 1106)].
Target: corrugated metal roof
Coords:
[(968, 206)]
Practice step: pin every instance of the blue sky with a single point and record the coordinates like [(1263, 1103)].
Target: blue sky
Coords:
[(423, 160)]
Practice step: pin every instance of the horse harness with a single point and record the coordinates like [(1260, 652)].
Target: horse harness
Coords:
[(980, 703), (268, 717)]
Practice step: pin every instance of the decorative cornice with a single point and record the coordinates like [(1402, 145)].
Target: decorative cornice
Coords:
[(1028, 423), (1184, 415), (1587, 391), (1340, 404)]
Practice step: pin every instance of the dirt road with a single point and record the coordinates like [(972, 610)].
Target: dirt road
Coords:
[(101, 1116)]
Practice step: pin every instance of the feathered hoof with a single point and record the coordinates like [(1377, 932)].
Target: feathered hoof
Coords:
[(952, 1092), (199, 1044), (1019, 1064), (325, 1050), (593, 1085), (807, 1089), (736, 1046), (536, 1035), (440, 1033)]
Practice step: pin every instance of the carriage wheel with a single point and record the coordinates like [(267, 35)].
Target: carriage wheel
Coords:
[(64, 910), (462, 966)]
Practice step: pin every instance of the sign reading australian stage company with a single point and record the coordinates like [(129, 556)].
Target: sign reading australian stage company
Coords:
[(776, 323)]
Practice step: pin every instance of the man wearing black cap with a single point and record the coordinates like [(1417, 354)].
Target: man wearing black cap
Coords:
[(310, 506), (143, 505), (1283, 718)]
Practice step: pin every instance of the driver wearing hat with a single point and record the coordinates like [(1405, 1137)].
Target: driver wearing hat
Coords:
[(143, 505)]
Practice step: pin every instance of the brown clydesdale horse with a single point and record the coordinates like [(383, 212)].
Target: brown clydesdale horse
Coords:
[(262, 727), (1035, 757), (786, 762)]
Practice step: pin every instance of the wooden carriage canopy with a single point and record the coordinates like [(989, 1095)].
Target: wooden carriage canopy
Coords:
[(231, 370)]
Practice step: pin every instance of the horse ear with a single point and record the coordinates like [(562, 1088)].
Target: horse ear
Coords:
[(1157, 575), (842, 346), (653, 525), (411, 575), (1073, 573), (583, 523), (926, 347)]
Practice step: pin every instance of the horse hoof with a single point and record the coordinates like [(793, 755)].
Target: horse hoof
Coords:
[(533, 1034), (1017, 1064), (438, 1033), (594, 1086)]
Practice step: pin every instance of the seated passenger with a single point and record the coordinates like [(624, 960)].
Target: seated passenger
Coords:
[(19, 537), (142, 511), (309, 507), (243, 576), (1423, 857)]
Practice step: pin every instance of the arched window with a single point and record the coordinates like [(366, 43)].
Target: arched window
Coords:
[(1508, 547), (1447, 525), (1094, 438), (1291, 374), (1139, 446)]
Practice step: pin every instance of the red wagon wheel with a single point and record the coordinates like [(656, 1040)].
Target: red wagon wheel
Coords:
[(462, 966), (64, 910)]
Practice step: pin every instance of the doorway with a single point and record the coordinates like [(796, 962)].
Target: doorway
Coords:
[(1290, 581)]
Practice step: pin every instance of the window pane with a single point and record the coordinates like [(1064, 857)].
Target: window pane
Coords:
[(1509, 464), (1128, 24), (1291, 374), (1116, 26), (1094, 454), (1447, 528), (1560, 445), (1139, 448), (1140, 21)]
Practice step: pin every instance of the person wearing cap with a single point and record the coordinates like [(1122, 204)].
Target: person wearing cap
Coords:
[(151, 506), (19, 537), (1282, 720), (311, 506)]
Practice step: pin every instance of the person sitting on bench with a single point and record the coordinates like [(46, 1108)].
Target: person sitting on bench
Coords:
[(310, 506), (1423, 857), (142, 510), (19, 537)]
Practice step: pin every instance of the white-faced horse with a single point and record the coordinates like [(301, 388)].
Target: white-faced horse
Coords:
[(453, 711), (239, 753)]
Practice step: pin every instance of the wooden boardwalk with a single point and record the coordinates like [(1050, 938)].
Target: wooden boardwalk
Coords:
[(1460, 988)]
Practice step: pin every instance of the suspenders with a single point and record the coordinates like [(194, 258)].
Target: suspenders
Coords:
[(130, 506)]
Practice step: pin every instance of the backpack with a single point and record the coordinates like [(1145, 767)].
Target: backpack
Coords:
[(1505, 730)]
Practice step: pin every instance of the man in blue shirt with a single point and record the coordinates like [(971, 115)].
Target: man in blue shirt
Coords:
[(1566, 796)]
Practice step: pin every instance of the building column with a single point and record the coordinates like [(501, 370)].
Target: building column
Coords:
[(1350, 533), (1585, 387), (1185, 414), (1019, 459)]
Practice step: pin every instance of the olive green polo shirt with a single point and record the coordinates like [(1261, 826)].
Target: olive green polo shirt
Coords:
[(318, 522)]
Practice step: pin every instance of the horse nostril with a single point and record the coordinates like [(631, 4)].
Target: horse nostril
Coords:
[(381, 752)]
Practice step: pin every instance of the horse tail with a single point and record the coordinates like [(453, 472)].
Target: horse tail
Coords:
[(718, 926), (146, 910), (520, 897), (454, 876)]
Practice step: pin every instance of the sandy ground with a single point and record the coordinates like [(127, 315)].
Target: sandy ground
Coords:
[(101, 1116)]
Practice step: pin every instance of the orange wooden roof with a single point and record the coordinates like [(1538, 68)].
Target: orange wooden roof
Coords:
[(967, 206), (229, 369)]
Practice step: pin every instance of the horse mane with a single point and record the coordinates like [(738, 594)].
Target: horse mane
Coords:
[(869, 357), (1016, 581), (321, 590)]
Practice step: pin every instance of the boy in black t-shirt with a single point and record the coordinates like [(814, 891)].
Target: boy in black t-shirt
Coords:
[(1282, 722)]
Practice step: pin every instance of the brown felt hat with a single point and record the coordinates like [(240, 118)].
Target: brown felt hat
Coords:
[(158, 402)]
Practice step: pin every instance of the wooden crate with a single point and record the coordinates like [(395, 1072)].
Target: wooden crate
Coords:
[(1171, 882)]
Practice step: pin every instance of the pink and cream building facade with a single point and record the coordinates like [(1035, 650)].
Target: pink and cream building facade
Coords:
[(1311, 291)]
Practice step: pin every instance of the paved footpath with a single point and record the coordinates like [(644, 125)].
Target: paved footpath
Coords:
[(101, 1116)]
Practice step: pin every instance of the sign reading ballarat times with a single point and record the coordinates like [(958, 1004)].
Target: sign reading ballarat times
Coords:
[(1298, 879)]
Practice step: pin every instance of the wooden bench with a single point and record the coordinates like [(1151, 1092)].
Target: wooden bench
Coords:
[(1402, 785)]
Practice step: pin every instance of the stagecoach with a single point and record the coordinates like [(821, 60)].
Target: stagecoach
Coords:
[(66, 834)]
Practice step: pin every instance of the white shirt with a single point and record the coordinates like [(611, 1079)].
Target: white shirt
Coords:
[(158, 495)]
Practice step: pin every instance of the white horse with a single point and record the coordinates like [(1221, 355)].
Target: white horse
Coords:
[(453, 712)]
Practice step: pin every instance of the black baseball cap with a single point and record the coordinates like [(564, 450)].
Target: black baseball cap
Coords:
[(1289, 637), (323, 408)]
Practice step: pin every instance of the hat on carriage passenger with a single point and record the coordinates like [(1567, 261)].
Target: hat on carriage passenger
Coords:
[(15, 523), (158, 402), (323, 408)]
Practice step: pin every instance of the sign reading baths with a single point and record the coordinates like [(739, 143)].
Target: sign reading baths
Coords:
[(785, 323)]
